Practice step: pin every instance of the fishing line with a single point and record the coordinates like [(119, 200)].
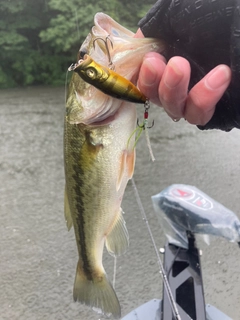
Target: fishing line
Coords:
[(162, 271)]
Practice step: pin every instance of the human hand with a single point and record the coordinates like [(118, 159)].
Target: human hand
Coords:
[(166, 84), (210, 45)]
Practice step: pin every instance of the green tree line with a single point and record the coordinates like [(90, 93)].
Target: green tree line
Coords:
[(39, 39)]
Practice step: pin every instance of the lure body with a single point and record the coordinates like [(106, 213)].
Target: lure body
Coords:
[(107, 80)]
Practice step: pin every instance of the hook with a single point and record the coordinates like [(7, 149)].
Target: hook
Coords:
[(110, 63), (144, 125)]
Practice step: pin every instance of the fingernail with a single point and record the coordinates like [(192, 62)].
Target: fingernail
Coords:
[(173, 75), (150, 74), (218, 77)]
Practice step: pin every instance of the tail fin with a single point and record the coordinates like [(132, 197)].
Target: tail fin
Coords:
[(97, 293)]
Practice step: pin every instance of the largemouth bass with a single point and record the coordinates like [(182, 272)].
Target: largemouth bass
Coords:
[(99, 161)]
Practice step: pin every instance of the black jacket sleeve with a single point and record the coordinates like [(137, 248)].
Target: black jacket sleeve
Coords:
[(207, 33)]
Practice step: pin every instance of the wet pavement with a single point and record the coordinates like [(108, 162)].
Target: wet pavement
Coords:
[(38, 255)]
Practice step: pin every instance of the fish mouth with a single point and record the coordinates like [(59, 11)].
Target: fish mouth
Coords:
[(73, 66)]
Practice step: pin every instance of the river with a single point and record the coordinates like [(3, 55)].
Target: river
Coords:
[(38, 255)]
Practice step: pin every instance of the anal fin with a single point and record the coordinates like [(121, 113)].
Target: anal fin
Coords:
[(67, 212), (117, 241)]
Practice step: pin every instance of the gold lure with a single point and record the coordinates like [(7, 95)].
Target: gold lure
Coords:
[(107, 80)]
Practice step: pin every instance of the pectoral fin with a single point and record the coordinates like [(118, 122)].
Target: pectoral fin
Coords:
[(117, 240), (131, 163), (67, 212), (127, 164)]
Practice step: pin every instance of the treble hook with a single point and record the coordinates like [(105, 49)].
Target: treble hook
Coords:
[(110, 63), (144, 125)]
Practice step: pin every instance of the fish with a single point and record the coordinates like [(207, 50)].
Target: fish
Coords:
[(99, 159)]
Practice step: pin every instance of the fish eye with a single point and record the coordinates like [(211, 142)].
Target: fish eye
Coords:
[(91, 73), (81, 53)]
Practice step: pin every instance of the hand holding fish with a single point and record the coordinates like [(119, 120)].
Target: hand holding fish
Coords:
[(167, 85), (203, 44)]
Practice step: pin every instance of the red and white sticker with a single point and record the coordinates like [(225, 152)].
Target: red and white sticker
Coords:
[(192, 197)]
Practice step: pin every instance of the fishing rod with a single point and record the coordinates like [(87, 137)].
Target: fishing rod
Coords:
[(162, 271), (182, 212)]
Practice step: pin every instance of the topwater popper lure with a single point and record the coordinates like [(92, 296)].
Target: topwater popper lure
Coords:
[(106, 79)]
